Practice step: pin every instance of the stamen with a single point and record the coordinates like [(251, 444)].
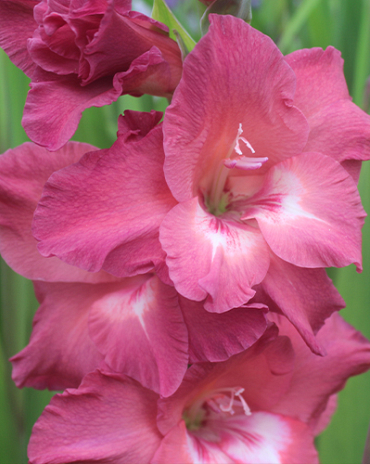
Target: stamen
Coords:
[(243, 139)]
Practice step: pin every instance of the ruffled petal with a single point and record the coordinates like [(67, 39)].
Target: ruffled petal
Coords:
[(140, 330), (213, 258), (108, 419), (105, 211), (309, 212)]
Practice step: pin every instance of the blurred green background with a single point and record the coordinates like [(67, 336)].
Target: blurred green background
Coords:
[(292, 24)]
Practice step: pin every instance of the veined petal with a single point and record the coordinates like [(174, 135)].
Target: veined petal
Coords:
[(234, 76), (212, 258), (309, 212), (110, 418), (232, 331), (140, 330), (24, 171), (105, 211)]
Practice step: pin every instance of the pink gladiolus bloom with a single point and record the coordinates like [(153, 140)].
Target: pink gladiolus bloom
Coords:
[(83, 54), (105, 212), (139, 325), (263, 406)]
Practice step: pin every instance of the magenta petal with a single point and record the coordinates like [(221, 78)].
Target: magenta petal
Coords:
[(105, 211), (109, 419), (16, 27), (55, 103), (140, 330), (213, 258), (61, 325), (232, 331), (307, 297), (235, 75), (309, 212), (24, 171)]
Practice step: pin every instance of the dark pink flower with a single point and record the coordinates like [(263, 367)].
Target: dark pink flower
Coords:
[(138, 325), (82, 54), (105, 212), (264, 406)]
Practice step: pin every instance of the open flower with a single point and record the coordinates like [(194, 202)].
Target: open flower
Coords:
[(262, 406), (85, 54)]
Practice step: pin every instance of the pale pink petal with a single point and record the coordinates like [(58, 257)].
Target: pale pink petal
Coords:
[(348, 354), (16, 27), (320, 78), (60, 351), (105, 211), (109, 419), (24, 171), (235, 75), (305, 296), (211, 257), (309, 212), (232, 331), (140, 330)]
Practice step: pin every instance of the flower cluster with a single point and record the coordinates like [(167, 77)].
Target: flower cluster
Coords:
[(185, 307)]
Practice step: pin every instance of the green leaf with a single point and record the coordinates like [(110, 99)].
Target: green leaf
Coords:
[(162, 13)]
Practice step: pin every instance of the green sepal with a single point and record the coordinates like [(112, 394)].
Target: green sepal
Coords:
[(162, 13)]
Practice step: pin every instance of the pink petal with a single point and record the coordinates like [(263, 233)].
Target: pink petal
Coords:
[(340, 130), (61, 325), (320, 78), (214, 258), (348, 354), (105, 211), (108, 419), (232, 331), (140, 330), (305, 296), (16, 27), (24, 171), (235, 75), (55, 104), (309, 211)]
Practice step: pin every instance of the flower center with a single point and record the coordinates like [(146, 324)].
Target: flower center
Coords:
[(217, 200), (221, 401)]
